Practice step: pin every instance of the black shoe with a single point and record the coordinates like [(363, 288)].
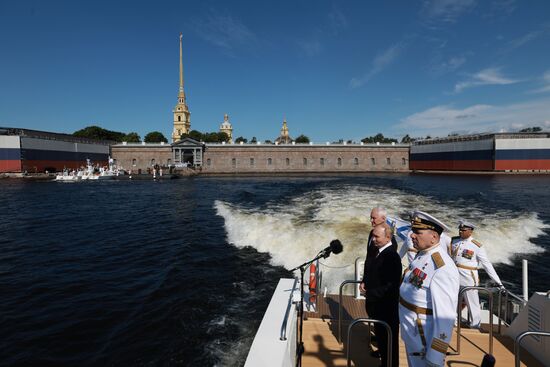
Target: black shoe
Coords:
[(375, 354)]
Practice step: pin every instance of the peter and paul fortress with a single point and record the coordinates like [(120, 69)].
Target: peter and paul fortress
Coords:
[(24, 150)]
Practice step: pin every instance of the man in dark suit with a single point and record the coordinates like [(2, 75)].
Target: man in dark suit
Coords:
[(381, 280), (378, 216)]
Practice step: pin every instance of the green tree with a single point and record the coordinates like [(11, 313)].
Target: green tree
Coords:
[(253, 141), (196, 135), (132, 137), (99, 133), (155, 137), (302, 139), (407, 139), (241, 139), (534, 129), (378, 138)]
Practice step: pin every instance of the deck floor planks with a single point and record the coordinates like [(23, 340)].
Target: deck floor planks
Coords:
[(323, 350)]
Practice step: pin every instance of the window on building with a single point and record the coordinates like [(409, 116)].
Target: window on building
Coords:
[(305, 161), (269, 161), (251, 161), (179, 119), (288, 161), (403, 161), (322, 161), (373, 161), (339, 162), (234, 162), (356, 161), (153, 162), (177, 155), (388, 160), (134, 162), (208, 162)]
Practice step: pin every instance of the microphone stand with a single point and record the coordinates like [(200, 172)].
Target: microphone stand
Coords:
[(300, 343)]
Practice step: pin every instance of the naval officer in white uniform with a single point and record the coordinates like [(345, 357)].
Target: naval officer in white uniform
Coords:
[(468, 254), (428, 296)]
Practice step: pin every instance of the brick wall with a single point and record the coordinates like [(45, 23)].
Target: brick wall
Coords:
[(304, 158), (137, 156)]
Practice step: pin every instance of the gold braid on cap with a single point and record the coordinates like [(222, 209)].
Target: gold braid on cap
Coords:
[(418, 223)]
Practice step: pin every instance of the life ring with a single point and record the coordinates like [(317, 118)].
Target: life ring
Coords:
[(312, 283)]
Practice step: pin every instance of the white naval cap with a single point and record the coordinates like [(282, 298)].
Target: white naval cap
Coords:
[(465, 223), (422, 220)]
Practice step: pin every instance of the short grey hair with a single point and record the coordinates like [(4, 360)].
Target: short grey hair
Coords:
[(380, 211)]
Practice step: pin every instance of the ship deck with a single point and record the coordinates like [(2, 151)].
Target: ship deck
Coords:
[(322, 348)]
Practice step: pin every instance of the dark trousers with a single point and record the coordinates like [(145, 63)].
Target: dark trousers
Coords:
[(388, 312)]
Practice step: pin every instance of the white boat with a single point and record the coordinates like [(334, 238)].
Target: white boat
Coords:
[(89, 173), (329, 340), (69, 176)]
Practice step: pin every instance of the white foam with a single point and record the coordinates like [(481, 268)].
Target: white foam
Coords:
[(295, 232)]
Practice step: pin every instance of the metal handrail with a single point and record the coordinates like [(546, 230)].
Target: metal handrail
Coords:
[(287, 312), (340, 301), (458, 316), (369, 321), (507, 293), (517, 342)]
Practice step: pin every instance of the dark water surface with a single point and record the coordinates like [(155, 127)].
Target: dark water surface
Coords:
[(140, 273)]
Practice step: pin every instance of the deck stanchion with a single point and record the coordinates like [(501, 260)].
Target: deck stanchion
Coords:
[(340, 301), (458, 316), (369, 321), (519, 338)]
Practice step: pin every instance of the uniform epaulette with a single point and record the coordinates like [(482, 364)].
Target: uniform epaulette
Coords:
[(455, 238), (438, 260), (478, 244)]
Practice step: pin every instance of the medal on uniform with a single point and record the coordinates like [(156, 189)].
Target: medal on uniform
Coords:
[(467, 254), (417, 278)]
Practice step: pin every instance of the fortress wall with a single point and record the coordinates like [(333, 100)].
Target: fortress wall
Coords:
[(142, 154), (305, 158)]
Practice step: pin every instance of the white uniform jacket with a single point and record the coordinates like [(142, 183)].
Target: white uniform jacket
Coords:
[(428, 302), (468, 255)]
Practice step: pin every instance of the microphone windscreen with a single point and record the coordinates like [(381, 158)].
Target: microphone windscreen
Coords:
[(336, 246)]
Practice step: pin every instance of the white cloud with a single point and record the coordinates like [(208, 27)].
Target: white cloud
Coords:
[(521, 41), (490, 76), (447, 66), (379, 63), (546, 81), (441, 120), (224, 31), (446, 11)]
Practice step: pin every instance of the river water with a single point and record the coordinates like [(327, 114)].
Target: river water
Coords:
[(179, 272)]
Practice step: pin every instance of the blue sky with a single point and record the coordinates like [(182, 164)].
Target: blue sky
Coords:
[(334, 69)]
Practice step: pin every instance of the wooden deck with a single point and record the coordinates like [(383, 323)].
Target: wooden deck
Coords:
[(322, 348)]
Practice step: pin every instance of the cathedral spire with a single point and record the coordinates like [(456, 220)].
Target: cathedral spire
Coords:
[(182, 116), (181, 92)]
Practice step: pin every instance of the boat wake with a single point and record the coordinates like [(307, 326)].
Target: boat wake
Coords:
[(295, 231)]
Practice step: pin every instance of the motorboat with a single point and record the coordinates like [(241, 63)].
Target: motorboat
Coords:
[(69, 176), (90, 173), (336, 330)]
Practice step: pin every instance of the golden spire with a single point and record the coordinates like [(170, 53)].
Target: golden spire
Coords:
[(181, 94), (182, 116)]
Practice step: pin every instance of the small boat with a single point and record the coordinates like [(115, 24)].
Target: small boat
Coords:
[(89, 173), (69, 176)]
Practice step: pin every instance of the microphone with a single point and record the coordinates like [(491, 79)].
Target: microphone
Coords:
[(334, 248)]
